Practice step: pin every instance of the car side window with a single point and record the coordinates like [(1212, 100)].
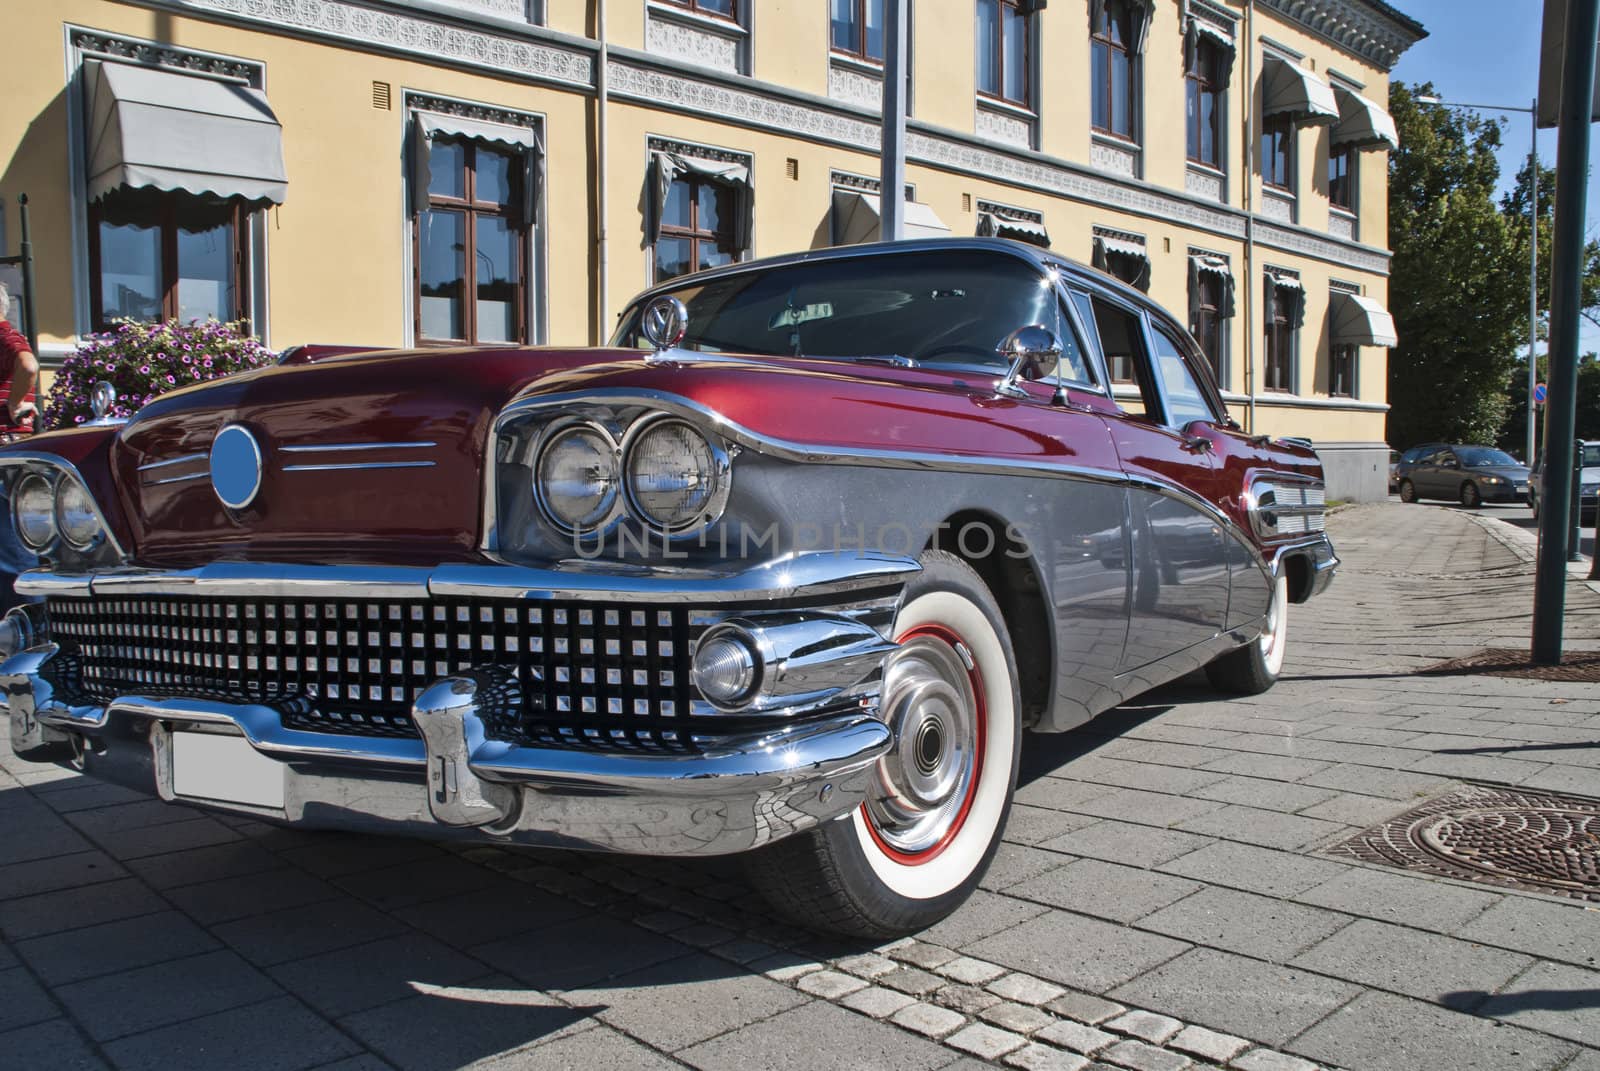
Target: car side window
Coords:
[(1186, 400), (1122, 343)]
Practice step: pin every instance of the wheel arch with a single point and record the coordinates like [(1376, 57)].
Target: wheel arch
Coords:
[(1006, 565)]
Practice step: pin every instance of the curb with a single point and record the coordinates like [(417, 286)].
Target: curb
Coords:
[(1525, 545)]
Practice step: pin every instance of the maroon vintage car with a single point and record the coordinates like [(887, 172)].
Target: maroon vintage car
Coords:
[(786, 571)]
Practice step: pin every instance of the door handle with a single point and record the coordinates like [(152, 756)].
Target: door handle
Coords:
[(1198, 444)]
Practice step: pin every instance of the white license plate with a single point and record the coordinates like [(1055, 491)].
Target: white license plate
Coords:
[(227, 769)]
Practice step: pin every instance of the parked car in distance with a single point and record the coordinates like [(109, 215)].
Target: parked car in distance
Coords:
[(1588, 483), (1471, 475), (1408, 460), (785, 571), (1394, 471)]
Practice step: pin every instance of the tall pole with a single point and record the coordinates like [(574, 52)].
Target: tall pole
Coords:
[(1533, 284), (27, 276), (892, 187), (1566, 302)]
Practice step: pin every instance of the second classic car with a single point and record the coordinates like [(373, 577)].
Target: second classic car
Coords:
[(785, 571)]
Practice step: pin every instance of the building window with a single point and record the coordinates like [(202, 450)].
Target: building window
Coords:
[(1284, 297), (1342, 370), (1206, 318), (858, 29), (471, 245), (1277, 140), (722, 9), (1341, 177), (155, 255), (1003, 50), (1204, 85), (697, 227), (1111, 69)]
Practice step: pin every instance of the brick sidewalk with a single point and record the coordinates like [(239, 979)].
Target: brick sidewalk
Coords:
[(1162, 901)]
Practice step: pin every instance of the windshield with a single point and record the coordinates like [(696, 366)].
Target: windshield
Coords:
[(949, 308), (1479, 457)]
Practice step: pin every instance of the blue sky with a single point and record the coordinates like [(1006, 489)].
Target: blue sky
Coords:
[(1487, 52)]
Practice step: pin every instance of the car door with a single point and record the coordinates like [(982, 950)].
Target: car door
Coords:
[(1178, 587)]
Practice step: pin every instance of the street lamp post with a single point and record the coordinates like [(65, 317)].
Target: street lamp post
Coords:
[(1532, 112)]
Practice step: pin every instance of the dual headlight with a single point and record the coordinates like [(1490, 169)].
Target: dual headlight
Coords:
[(664, 473), (43, 510)]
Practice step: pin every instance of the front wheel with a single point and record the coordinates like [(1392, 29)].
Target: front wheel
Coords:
[(1470, 497), (1255, 667), (938, 801), (1408, 491)]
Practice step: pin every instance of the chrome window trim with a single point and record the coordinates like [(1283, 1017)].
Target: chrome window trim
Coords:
[(359, 465), (331, 447)]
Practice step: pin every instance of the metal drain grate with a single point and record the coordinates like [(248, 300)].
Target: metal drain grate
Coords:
[(1578, 667), (1534, 841)]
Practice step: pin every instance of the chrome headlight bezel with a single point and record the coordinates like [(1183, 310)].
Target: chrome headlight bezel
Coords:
[(24, 485), (89, 510), (600, 519), (718, 469)]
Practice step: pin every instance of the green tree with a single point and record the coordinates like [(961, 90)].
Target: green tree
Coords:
[(1454, 286)]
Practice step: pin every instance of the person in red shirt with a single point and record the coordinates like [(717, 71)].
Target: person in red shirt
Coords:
[(19, 373)]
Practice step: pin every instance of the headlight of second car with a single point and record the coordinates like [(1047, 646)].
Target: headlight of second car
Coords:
[(677, 480), (575, 478)]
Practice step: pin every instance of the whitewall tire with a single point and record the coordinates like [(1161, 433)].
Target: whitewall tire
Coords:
[(1255, 667)]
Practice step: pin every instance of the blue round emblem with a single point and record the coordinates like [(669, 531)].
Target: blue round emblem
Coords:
[(235, 466)]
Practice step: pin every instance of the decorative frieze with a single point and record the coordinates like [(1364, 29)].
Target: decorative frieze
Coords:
[(487, 113), (1342, 225), (1114, 156), (95, 43), (1008, 128), (505, 9), (851, 86), (693, 42), (1203, 183), (1277, 206)]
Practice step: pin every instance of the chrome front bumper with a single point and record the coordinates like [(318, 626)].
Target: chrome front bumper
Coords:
[(733, 795)]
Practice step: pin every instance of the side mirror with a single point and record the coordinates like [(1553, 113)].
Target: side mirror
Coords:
[(1033, 351)]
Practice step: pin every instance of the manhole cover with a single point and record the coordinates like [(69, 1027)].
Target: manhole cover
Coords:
[(1578, 667), (1536, 841)]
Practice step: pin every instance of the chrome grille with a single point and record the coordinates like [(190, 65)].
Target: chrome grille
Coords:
[(590, 672)]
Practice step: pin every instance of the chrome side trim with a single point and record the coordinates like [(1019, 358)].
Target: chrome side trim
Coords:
[(177, 479), (184, 460), (361, 465), (332, 447), (812, 573), (62, 465)]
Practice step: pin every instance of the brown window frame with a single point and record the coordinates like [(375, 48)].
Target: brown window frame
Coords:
[(1284, 125), (1345, 355), (693, 233), (1026, 100), (860, 55), (1346, 153), (472, 209), (1278, 352), (1207, 326), (1101, 38), (170, 203), (1202, 78), (732, 14)]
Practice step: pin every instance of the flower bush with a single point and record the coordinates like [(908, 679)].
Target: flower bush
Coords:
[(143, 360)]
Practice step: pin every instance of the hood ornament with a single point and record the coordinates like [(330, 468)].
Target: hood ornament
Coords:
[(235, 466), (663, 323), (102, 399)]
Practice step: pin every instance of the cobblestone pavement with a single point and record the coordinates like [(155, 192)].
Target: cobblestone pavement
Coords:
[(1160, 902)]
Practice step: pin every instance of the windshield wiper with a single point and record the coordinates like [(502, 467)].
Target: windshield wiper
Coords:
[(895, 359)]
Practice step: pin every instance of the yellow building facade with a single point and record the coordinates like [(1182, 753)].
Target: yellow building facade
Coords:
[(514, 170)]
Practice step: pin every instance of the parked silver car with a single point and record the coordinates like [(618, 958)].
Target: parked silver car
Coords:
[(1589, 483)]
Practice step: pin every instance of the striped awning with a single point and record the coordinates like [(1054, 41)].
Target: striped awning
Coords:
[(1289, 89)]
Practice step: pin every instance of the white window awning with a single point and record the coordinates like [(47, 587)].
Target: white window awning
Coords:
[(1125, 259), (857, 218), (159, 128), (522, 139), (1363, 123), (1289, 89), (998, 223), (1360, 321), (733, 174), (1203, 264)]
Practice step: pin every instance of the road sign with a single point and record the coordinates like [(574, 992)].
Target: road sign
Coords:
[(1539, 392)]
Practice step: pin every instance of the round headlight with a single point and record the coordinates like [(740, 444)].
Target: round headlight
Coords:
[(76, 519), (677, 480), (725, 668), (33, 512), (575, 479)]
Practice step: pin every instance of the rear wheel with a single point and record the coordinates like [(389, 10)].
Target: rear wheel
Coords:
[(1470, 497), (1408, 491), (1253, 668), (937, 805)]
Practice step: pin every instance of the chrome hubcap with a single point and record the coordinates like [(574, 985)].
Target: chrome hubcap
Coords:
[(924, 779)]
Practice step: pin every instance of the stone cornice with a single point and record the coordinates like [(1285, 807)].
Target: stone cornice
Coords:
[(1374, 31)]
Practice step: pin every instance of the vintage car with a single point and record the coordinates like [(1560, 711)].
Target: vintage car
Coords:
[(786, 571)]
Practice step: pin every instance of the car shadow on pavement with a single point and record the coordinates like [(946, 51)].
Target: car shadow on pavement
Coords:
[(1501, 1005)]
